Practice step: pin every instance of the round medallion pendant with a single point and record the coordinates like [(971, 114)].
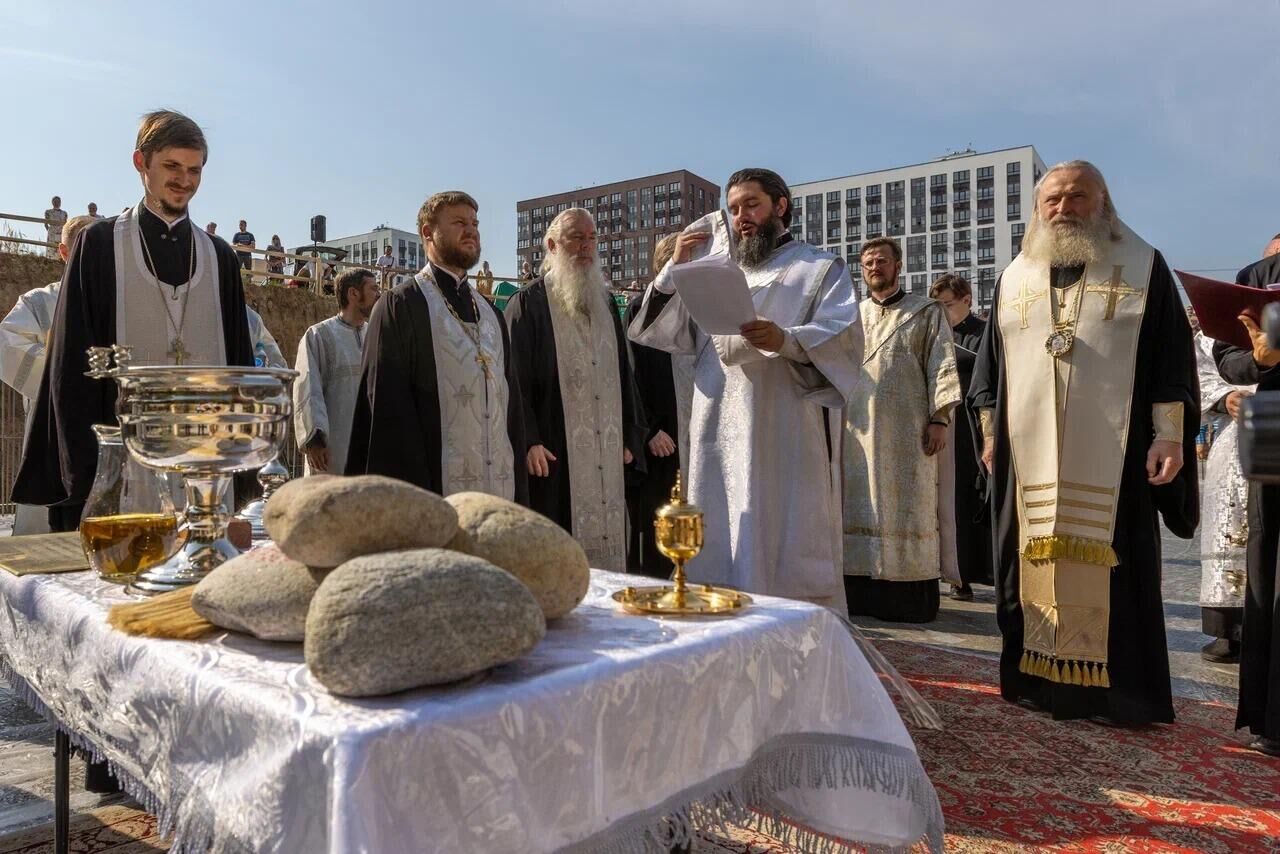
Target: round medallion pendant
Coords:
[(1059, 343)]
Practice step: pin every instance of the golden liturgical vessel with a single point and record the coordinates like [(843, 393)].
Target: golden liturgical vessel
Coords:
[(678, 531)]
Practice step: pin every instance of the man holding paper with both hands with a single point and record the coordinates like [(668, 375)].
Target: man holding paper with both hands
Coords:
[(766, 418)]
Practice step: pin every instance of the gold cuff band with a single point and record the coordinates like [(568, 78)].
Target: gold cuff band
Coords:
[(1167, 420), (987, 420)]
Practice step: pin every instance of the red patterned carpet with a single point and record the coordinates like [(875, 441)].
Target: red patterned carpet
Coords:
[(1013, 779), (1009, 779)]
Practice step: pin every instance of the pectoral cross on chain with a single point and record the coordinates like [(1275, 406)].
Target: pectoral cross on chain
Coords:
[(1022, 303), (178, 352), (1113, 291)]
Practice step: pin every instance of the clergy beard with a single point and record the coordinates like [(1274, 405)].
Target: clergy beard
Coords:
[(573, 286), (1067, 241), (754, 249), (454, 256), (168, 211)]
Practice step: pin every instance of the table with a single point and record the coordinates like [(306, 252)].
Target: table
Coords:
[(615, 730)]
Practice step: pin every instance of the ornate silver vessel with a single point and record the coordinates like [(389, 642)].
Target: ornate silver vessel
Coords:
[(205, 422)]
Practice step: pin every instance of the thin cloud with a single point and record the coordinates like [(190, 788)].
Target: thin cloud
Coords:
[(62, 61)]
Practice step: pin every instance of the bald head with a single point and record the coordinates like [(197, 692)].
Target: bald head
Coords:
[(1273, 248)]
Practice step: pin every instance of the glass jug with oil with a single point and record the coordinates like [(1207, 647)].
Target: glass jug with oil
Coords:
[(130, 520)]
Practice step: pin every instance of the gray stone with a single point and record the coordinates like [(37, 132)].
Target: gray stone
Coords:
[(399, 620), (263, 593), (528, 545), (326, 521)]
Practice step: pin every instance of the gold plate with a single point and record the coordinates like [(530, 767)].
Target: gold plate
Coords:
[(694, 600)]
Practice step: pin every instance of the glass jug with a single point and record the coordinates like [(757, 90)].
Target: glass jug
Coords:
[(130, 519)]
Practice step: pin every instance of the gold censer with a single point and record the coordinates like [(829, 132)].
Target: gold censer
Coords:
[(678, 531)]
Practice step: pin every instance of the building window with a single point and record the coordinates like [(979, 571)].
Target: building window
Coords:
[(1014, 168), (961, 177), (986, 213), (1015, 210), (986, 172), (851, 194), (833, 197)]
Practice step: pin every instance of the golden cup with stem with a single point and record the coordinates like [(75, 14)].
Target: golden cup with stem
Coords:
[(678, 529)]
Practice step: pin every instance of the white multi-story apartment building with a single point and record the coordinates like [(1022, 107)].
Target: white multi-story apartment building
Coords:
[(964, 213), (406, 247)]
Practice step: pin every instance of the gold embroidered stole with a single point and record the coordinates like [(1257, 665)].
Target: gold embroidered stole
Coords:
[(1068, 457)]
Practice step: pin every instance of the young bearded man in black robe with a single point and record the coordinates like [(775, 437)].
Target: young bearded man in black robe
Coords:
[(1259, 707), (582, 420), (439, 404), (650, 489), (973, 517), (1085, 382), (168, 270)]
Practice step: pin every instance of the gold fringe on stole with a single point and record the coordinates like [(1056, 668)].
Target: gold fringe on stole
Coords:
[(1087, 674), (1083, 549)]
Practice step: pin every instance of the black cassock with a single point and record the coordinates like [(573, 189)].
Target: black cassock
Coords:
[(534, 341), (395, 430), (61, 451), (650, 489), (973, 517), (1259, 708), (1138, 660)]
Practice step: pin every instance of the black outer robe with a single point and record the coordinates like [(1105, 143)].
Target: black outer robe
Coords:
[(973, 516), (1138, 659), (395, 430), (533, 339), (1259, 706), (61, 451), (650, 489)]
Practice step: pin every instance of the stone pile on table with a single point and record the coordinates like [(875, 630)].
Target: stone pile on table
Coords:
[(392, 587)]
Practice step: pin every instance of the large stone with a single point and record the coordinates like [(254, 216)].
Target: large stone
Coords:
[(528, 545), (263, 593), (398, 620), (325, 521)]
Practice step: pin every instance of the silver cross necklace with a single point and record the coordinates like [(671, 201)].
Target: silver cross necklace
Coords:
[(177, 351)]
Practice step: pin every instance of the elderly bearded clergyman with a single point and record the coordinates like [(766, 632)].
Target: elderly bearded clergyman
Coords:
[(582, 421), (1086, 388)]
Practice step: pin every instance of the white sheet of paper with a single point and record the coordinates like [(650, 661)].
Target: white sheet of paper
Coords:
[(714, 290)]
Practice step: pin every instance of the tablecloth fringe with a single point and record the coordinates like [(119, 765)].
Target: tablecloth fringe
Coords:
[(747, 799), (197, 835)]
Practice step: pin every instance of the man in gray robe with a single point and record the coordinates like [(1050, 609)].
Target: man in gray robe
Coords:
[(898, 487), (765, 422), (328, 366)]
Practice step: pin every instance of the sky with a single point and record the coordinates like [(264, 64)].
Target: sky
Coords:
[(359, 111)]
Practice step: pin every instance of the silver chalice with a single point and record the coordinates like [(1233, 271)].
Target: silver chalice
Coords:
[(206, 423)]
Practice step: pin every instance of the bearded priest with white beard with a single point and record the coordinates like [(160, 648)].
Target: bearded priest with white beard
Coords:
[(1086, 389), (764, 432), (583, 423)]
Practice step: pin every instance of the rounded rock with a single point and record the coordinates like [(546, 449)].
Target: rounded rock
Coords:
[(263, 593), (399, 620), (544, 556), (326, 521)]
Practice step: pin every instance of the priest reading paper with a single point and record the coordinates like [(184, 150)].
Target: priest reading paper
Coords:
[(438, 403), (328, 365), (765, 423), (582, 419), (146, 279), (1086, 387)]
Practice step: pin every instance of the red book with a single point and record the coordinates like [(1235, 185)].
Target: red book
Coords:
[(1218, 306)]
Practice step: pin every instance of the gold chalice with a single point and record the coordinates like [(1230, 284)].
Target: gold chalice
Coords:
[(678, 529)]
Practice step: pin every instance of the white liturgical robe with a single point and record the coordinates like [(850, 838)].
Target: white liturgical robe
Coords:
[(765, 427), (324, 394)]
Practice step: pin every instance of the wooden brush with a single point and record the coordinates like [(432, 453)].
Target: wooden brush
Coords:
[(168, 615)]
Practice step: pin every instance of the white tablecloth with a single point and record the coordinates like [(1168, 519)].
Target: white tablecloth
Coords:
[(614, 730)]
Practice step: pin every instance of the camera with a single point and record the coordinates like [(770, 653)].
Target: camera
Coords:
[(1260, 418)]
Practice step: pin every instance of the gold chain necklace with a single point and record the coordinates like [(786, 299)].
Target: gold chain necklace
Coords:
[(471, 329), (178, 351), (1063, 337)]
